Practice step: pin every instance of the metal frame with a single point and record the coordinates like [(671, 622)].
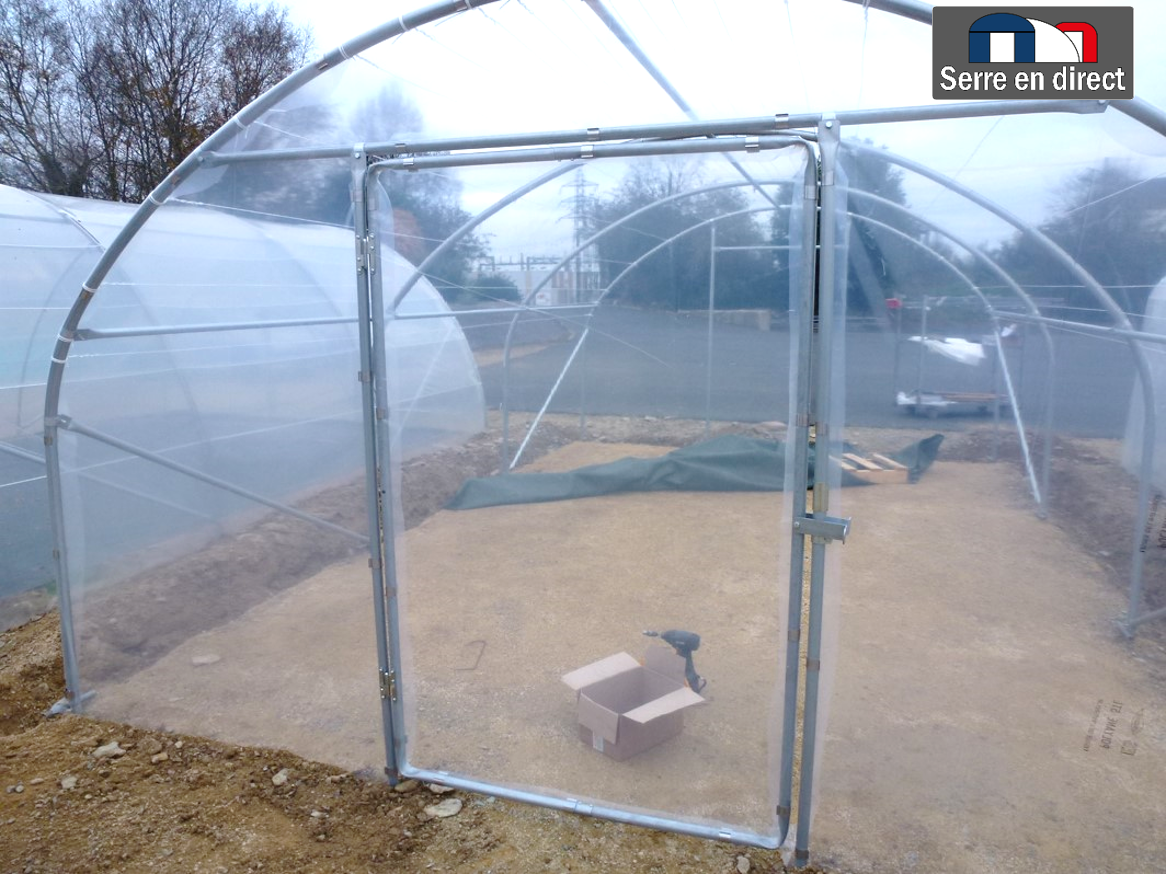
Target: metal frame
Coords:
[(153, 201), (822, 417), (1039, 492), (816, 354), (819, 355), (822, 354), (1146, 379), (384, 571), (372, 322), (1154, 118), (580, 143), (750, 144)]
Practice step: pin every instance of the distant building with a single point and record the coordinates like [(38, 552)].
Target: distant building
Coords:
[(572, 283)]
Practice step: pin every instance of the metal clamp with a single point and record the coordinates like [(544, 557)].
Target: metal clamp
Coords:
[(822, 527)]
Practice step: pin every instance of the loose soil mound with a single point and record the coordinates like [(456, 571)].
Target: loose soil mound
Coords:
[(31, 677), (182, 804)]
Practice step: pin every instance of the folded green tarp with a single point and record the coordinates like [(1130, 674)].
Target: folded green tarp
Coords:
[(730, 463)]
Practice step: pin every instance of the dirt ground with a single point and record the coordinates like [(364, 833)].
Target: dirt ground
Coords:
[(211, 806), (208, 805), (500, 603)]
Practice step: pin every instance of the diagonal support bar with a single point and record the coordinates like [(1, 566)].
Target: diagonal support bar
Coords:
[(75, 427)]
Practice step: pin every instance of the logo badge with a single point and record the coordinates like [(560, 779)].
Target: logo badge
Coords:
[(1023, 52)]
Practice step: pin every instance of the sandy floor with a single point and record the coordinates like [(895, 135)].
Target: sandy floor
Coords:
[(535, 591), (978, 671), (969, 672)]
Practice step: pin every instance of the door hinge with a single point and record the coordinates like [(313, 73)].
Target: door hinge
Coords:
[(389, 686)]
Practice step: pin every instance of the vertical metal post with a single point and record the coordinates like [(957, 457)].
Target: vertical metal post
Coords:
[(922, 355), (73, 693), (583, 365), (1050, 395), (1022, 345), (388, 498), (376, 468), (828, 140), (799, 482), (504, 449), (708, 357), (999, 339), (898, 317), (1145, 483)]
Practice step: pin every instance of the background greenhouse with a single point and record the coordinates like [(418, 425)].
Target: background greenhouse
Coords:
[(339, 421)]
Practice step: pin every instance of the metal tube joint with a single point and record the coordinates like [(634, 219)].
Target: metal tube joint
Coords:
[(823, 529)]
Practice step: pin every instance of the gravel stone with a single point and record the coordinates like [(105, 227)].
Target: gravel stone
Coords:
[(444, 808)]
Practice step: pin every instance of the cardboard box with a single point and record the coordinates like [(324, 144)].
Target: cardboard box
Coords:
[(625, 707)]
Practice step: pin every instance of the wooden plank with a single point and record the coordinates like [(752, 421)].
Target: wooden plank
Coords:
[(861, 462), (881, 477), (876, 470)]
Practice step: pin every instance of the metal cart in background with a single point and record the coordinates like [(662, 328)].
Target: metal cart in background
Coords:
[(955, 370)]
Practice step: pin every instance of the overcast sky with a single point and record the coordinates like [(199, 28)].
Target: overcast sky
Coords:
[(547, 64)]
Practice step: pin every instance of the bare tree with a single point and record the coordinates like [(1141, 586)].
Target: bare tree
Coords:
[(44, 138), (260, 46), (106, 97), (153, 66)]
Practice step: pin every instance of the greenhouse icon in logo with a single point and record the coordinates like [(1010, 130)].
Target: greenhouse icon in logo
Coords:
[(1002, 37), (1027, 52)]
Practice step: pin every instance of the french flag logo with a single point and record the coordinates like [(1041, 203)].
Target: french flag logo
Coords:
[(1003, 37)]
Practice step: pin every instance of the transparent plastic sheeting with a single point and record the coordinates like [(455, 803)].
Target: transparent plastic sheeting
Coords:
[(500, 603), (986, 711), (46, 257), (1153, 322), (976, 713), (302, 271), (169, 572)]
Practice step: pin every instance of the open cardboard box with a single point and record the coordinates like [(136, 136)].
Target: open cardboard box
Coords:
[(625, 707)]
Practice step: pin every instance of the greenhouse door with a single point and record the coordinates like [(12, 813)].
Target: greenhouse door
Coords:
[(645, 471)]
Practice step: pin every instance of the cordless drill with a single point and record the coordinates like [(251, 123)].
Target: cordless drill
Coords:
[(685, 643)]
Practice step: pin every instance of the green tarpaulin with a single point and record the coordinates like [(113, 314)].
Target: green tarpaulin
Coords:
[(730, 463)]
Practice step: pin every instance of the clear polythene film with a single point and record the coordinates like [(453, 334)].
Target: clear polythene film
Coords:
[(987, 704), (964, 723), (525, 663), (46, 256), (213, 485)]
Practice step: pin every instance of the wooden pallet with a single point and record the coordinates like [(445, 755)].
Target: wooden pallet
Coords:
[(876, 469)]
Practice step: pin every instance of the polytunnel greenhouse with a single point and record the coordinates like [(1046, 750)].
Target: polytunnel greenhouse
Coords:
[(56, 242), (850, 396)]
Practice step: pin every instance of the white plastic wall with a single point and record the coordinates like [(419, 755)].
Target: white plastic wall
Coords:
[(179, 403), (44, 258)]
